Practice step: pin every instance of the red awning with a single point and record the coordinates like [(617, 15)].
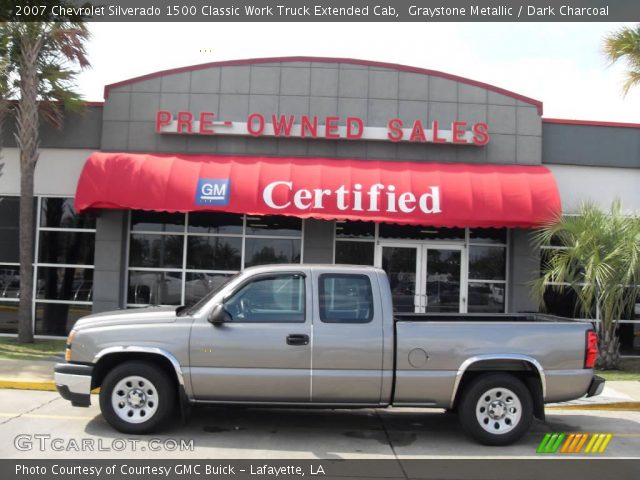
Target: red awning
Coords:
[(437, 194)]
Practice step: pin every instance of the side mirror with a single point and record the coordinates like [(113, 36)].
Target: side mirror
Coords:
[(218, 315)]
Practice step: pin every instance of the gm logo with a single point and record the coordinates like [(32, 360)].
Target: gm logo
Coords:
[(213, 191)]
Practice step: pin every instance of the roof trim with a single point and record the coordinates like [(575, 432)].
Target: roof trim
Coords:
[(590, 123), (367, 63)]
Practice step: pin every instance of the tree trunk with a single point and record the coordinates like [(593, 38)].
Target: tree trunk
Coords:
[(608, 349), (28, 141)]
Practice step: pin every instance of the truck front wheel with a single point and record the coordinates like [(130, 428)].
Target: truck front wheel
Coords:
[(137, 397), (496, 409)]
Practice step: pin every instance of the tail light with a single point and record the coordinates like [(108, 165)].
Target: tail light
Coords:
[(591, 351)]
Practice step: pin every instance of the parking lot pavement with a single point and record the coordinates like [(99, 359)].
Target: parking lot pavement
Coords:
[(223, 432)]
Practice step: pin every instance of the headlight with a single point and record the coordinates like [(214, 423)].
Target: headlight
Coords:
[(67, 352)]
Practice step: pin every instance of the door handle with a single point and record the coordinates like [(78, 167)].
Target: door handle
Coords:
[(297, 339)]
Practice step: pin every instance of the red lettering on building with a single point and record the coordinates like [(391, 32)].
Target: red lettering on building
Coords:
[(331, 127), (480, 133), (185, 120), (282, 125), (251, 127), (394, 130), (358, 124), (163, 118), (206, 123), (307, 126)]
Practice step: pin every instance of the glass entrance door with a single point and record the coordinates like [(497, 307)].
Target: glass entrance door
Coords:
[(402, 266), (424, 277), (443, 279)]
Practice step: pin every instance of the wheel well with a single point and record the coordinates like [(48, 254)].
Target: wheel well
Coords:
[(521, 369), (109, 361)]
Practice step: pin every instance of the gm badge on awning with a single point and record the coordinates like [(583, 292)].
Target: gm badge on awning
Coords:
[(213, 192)]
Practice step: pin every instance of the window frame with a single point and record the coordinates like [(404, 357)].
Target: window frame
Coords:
[(35, 302), (183, 268), (466, 244)]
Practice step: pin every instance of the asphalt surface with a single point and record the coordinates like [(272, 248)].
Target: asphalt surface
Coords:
[(39, 425)]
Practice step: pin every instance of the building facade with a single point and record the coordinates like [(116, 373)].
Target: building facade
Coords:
[(442, 180)]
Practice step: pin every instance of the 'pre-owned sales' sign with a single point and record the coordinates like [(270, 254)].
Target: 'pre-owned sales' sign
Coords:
[(330, 128)]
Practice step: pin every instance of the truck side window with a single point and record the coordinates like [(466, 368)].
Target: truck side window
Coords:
[(345, 298), (275, 299)]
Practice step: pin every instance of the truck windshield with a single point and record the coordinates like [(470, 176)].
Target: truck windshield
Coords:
[(186, 310)]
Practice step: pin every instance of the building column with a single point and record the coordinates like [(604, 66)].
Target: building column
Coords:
[(524, 268), (318, 241), (110, 261)]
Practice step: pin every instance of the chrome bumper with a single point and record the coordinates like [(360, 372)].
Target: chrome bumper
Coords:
[(73, 383)]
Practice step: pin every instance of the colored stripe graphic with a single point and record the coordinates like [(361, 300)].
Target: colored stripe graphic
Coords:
[(550, 443), (573, 443)]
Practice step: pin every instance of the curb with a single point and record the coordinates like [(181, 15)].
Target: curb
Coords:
[(47, 386), (27, 385), (614, 406)]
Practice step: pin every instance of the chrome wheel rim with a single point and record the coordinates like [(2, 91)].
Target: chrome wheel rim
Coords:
[(498, 411), (134, 399)]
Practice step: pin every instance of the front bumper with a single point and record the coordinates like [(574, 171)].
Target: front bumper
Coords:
[(73, 382), (596, 386)]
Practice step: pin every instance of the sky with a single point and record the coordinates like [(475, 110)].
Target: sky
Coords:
[(561, 64)]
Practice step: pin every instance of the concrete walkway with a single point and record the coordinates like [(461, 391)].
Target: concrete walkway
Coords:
[(618, 395), (28, 374), (38, 375)]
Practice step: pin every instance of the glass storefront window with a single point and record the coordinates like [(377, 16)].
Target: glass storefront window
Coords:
[(58, 318), (486, 297), (414, 232), (218, 223), (70, 247), (486, 263), (155, 288), (262, 251), (157, 221), (9, 222), (488, 235), (9, 282), (562, 301), (355, 253), (8, 317), (274, 226), (156, 251), (60, 213), (348, 229), (484, 283), (65, 284), (178, 258), (198, 284), (214, 253), (63, 293)]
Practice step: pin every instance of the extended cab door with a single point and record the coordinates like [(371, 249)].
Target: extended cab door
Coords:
[(348, 338), (263, 352)]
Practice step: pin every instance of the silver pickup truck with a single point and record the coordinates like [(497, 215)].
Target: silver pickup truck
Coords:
[(325, 336)]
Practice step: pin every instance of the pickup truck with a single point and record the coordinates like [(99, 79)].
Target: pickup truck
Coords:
[(325, 336)]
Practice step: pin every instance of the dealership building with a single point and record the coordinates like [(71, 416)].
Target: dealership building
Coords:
[(182, 177)]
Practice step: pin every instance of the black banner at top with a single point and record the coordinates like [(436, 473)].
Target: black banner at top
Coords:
[(322, 10)]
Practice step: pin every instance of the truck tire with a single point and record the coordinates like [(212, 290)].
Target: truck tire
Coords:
[(137, 397), (496, 409)]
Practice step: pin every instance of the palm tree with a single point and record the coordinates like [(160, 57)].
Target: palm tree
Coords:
[(625, 44), (5, 94), (599, 259), (40, 57)]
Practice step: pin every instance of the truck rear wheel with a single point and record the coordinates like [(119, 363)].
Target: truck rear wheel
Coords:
[(496, 409), (137, 397)]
